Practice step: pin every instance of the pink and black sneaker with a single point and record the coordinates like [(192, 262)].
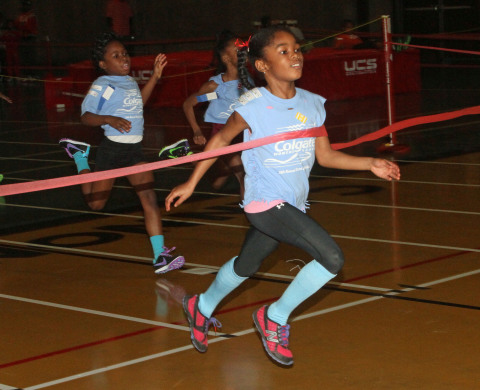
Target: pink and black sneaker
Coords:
[(199, 324), (274, 337)]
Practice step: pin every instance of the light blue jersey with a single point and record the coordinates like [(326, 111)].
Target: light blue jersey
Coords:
[(228, 92), (279, 170), (118, 96)]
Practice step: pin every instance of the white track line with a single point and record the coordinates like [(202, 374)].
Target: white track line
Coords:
[(123, 256), (95, 312), (148, 260), (391, 293), (6, 387), (241, 333), (419, 244)]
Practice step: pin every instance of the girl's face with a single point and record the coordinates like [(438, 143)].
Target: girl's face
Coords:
[(283, 60), (116, 61), (230, 53)]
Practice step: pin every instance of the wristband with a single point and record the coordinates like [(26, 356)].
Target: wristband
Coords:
[(207, 97)]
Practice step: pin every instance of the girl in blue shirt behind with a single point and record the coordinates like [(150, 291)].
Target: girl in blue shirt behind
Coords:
[(221, 92), (115, 103), (276, 190)]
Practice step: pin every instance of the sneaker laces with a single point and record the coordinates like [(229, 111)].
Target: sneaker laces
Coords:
[(283, 333), (167, 251), (213, 321), (70, 146)]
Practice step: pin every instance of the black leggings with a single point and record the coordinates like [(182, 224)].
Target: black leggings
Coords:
[(285, 223)]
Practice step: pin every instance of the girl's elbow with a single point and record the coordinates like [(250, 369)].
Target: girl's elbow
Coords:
[(320, 161), (190, 102), (88, 119)]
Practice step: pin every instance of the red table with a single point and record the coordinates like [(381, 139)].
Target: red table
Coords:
[(343, 74)]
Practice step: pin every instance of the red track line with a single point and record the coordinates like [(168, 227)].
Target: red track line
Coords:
[(77, 347), (87, 345), (405, 267), (110, 339)]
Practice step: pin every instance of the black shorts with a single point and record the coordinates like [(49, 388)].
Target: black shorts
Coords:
[(113, 155)]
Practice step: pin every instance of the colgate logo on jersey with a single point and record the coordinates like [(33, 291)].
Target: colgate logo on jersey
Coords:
[(354, 67), (294, 146)]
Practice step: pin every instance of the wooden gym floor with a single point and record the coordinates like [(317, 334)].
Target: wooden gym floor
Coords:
[(81, 308)]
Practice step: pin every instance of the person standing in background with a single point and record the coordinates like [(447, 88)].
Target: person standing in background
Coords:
[(347, 39), (9, 41), (26, 23)]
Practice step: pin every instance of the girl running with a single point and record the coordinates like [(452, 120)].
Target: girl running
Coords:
[(115, 103), (221, 91), (276, 189)]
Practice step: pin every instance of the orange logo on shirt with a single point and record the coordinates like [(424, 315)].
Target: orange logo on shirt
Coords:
[(301, 118)]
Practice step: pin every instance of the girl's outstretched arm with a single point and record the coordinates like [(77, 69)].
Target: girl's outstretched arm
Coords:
[(158, 65), (234, 126), (330, 158)]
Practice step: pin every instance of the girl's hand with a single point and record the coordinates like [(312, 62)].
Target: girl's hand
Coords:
[(159, 64), (385, 169), (199, 138), (121, 124), (182, 192)]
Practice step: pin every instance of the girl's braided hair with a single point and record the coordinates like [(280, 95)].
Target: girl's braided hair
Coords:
[(99, 47), (255, 51)]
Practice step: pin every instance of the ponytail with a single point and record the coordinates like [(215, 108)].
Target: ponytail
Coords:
[(243, 74)]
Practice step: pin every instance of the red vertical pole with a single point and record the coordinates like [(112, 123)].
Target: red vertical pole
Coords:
[(392, 145), (387, 45)]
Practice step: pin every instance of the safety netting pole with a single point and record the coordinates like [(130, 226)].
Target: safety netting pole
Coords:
[(391, 145), (387, 48)]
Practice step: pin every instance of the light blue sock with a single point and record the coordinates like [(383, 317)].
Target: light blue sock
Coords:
[(225, 282), (157, 245), (308, 281), (81, 161)]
